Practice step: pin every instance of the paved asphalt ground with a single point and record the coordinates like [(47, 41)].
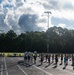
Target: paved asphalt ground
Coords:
[(10, 66)]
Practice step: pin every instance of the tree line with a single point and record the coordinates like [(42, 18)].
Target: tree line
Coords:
[(60, 41)]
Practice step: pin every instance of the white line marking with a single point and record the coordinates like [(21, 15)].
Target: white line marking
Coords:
[(5, 66), (2, 58), (1, 69), (50, 73), (67, 71), (21, 58), (12, 59), (43, 70), (22, 70)]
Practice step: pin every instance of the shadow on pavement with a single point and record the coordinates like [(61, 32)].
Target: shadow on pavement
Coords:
[(54, 67), (46, 66), (26, 64), (38, 65)]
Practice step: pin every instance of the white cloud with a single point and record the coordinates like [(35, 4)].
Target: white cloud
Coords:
[(67, 14), (62, 25), (20, 7), (1, 9), (70, 27)]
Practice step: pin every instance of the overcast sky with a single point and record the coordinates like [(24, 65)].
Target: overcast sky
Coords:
[(28, 15)]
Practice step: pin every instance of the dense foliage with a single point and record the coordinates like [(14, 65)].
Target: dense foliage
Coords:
[(60, 41)]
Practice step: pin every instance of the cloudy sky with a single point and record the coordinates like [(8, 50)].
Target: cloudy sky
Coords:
[(28, 15)]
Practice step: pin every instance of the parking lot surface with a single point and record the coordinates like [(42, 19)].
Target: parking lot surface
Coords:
[(10, 66)]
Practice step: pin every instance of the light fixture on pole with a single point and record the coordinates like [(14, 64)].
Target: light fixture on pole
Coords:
[(48, 12)]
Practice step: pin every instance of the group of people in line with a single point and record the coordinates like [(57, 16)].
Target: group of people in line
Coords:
[(30, 57), (49, 58)]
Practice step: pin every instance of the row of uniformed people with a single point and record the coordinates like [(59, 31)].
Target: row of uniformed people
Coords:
[(31, 57), (63, 58)]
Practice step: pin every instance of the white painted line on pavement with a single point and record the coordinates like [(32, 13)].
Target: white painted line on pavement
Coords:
[(22, 70), (1, 69), (42, 70), (2, 58), (5, 66), (71, 73), (12, 59), (21, 58)]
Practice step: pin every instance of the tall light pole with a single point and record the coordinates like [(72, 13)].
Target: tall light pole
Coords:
[(25, 40), (48, 12)]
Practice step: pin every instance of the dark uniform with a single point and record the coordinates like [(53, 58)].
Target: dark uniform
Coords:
[(73, 61), (56, 59), (46, 57), (42, 58), (49, 59), (35, 56), (61, 59)]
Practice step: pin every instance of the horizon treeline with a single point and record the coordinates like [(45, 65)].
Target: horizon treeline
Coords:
[(60, 41)]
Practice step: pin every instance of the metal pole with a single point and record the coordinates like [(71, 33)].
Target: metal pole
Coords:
[(48, 20), (25, 41), (48, 32)]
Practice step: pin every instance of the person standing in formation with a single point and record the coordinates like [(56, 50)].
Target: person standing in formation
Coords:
[(56, 60), (65, 62), (46, 57), (61, 59), (49, 56), (73, 61), (42, 58)]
